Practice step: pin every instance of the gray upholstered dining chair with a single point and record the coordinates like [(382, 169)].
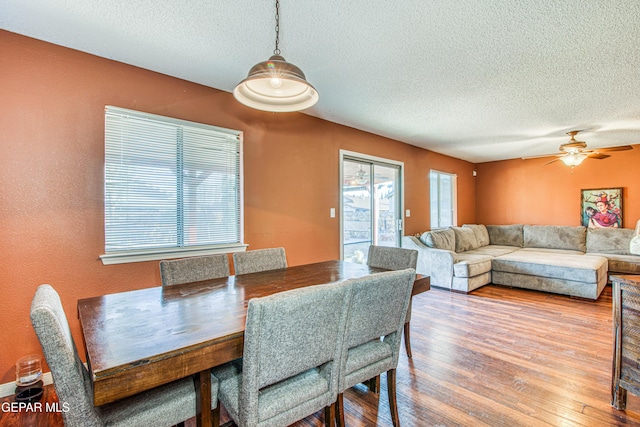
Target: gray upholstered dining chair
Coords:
[(167, 405), (293, 347), (259, 260), (193, 269), (374, 330), (392, 258)]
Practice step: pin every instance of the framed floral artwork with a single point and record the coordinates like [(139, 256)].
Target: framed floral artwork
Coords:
[(601, 207)]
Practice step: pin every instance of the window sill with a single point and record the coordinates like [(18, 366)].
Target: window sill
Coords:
[(168, 253)]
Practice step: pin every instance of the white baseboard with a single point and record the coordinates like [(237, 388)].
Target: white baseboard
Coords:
[(7, 389)]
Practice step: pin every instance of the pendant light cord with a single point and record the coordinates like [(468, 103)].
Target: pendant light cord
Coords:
[(277, 50)]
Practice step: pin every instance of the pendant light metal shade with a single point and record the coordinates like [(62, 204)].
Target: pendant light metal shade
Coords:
[(276, 85)]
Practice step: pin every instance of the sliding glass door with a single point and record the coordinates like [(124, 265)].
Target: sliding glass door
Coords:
[(371, 206)]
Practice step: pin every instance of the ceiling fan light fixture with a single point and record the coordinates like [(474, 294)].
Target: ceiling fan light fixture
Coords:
[(573, 159), (361, 177), (276, 85)]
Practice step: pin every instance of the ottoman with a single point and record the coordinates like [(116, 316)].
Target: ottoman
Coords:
[(571, 274)]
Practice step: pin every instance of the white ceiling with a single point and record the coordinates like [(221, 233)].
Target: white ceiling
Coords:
[(477, 80)]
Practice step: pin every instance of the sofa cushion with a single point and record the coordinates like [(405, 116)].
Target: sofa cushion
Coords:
[(552, 251), (465, 239), (471, 265), (481, 233), (493, 250), (588, 290), (555, 237), (505, 235), (579, 268), (622, 264), (468, 284), (440, 239), (609, 240)]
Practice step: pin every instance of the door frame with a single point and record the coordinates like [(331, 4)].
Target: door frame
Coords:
[(368, 158)]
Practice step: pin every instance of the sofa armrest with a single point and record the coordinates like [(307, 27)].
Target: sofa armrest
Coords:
[(436, 263), (634, 245)]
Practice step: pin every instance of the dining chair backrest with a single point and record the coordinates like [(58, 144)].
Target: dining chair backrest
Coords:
[(194, 269), (392, 258), (259, 260), (378, 301), (299, 334)]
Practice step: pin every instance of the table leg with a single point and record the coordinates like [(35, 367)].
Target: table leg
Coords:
[(203, 398), (618, 394), (619, 397)]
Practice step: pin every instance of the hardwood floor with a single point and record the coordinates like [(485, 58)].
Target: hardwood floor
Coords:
[(496, 357)]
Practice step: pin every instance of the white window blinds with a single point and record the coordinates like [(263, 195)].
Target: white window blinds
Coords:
[(170, 185)]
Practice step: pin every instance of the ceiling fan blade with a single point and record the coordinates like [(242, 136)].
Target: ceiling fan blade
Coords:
[(544, 155), (619, 148), (554, 160), (598, 156)]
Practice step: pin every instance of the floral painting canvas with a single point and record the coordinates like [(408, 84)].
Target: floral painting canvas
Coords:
[(601, 207)]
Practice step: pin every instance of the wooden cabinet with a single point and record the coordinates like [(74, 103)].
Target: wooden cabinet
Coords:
[(626, 339)]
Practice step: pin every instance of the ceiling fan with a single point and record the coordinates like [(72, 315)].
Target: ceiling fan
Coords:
[(574, 152)]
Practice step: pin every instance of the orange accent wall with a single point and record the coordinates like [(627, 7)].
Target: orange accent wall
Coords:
[(52, 152), (528, 192)]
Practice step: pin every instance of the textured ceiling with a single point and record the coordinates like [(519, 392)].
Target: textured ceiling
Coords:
[(478, 80)]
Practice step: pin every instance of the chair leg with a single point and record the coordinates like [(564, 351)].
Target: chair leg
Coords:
[(407, 339), (374, 384), (340, 410), (215, 416), (330, 415), (391, 390)]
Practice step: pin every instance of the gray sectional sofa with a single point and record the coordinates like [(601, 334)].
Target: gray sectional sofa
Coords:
[(574, 261)]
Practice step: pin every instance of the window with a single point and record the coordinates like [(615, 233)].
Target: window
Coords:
[(172, 188), (443, 199)]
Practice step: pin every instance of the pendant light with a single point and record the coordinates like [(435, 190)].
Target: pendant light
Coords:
[(275, 84)]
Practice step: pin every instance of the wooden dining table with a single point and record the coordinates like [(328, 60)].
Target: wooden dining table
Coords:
[(141, 339)]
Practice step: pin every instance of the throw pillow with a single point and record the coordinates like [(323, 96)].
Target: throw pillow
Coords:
[(465, 239), (481, 233), (555, 237), (440, 239), (609, 240), (506, 235)]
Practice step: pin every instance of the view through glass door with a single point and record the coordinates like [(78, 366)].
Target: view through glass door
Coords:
[(371, 207)]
